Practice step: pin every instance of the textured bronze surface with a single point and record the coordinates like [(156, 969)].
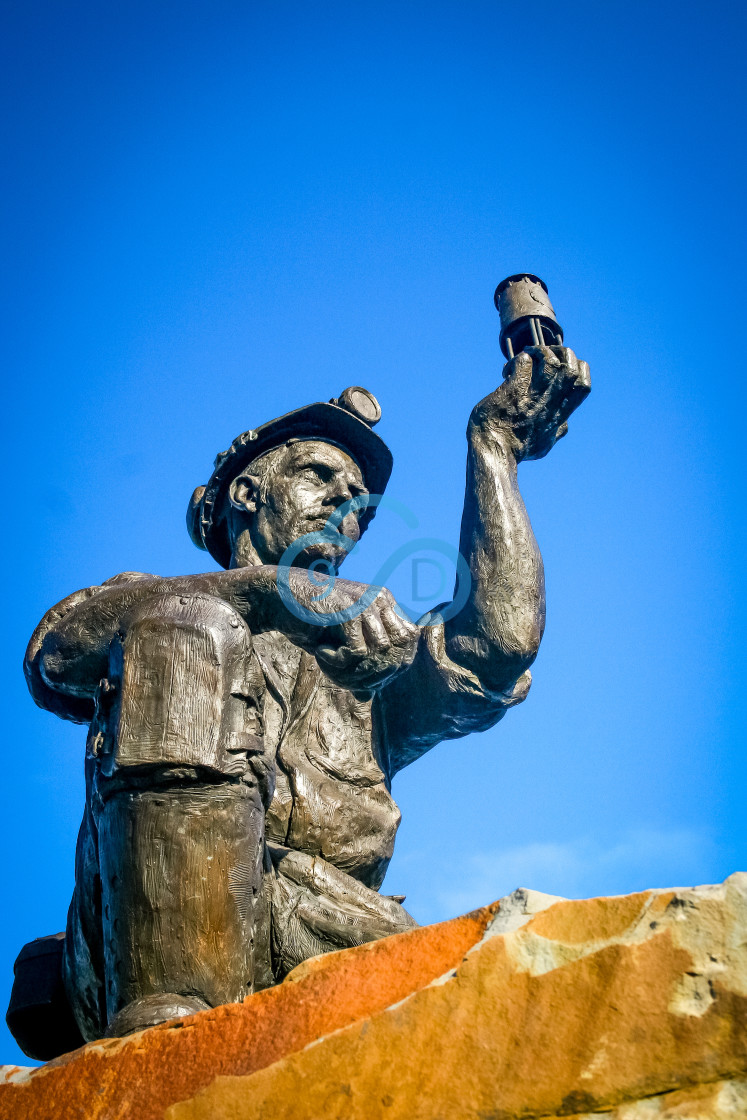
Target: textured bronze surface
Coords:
[(240, 753)]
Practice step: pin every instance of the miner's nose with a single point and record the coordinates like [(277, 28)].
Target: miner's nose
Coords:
[(338, 491)]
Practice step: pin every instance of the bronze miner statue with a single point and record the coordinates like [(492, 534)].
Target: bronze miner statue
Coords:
[(244, 730)]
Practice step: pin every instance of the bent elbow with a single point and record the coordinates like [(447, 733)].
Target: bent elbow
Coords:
[(526, 653), (506, 671), (516, 651), (61, 666), (497, 665)]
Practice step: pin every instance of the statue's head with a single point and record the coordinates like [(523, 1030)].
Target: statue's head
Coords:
[(285, 480), (288, 493)]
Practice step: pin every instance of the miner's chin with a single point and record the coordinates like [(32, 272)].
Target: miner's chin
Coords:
[(321, 553)]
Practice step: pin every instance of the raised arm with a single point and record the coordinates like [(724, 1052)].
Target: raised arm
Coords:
[(470, 670), (498, 632)]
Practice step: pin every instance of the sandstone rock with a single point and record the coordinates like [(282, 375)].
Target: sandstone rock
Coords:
[(629, 1008), (138, 1077)]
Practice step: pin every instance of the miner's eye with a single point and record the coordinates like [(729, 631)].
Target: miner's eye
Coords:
[(317, 472), (359, 492)]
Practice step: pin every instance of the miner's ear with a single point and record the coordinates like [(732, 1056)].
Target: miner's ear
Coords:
[(242, 493)]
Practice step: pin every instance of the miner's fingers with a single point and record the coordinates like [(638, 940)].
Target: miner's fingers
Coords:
[(332, 656), (401, 631), (583, 378), (352, 647), (519, 369), (543, 374), (576, 390), (575, 372), (353, 638), (565, 356), (557, 364), (376, 674), (374, 632), (570, 384)]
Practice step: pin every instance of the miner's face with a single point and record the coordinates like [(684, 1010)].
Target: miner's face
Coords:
[(305, 483)]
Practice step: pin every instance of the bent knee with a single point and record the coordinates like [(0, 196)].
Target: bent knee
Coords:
[(186, 687), (197, 611)]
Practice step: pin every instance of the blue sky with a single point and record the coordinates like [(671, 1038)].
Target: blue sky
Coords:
[(217, 212)]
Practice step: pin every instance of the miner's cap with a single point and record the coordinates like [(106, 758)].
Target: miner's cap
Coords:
[(346, 421)]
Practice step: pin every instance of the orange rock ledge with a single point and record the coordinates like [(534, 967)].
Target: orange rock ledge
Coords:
[(628, 1008)]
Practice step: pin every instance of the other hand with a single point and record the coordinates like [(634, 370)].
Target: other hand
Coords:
[(368, 649)]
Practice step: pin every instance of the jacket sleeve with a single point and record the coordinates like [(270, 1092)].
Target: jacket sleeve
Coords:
[(435, 699)]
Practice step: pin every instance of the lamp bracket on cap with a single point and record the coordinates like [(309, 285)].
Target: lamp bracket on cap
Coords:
[(359, 403)]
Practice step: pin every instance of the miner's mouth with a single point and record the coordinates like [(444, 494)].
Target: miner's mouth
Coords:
[(319, 520), (324, 549)]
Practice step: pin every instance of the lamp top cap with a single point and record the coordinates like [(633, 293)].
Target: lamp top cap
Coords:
[(514, 279)]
